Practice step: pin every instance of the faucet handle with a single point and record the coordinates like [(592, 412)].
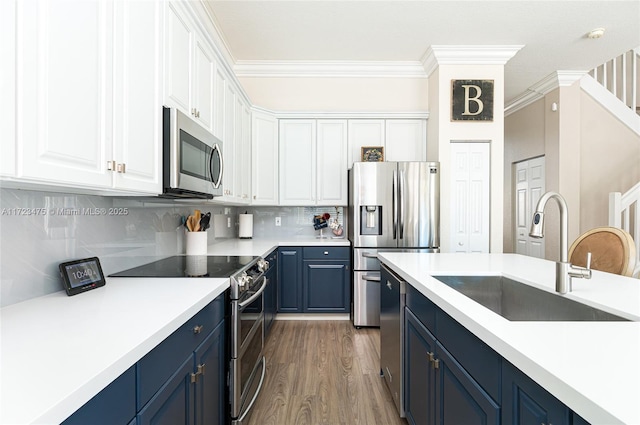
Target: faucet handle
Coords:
[(588, 260)]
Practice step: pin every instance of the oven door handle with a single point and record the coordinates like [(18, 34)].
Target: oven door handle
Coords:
[(253, 297)]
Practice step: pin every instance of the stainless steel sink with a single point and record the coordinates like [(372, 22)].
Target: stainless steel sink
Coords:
[(517, 301)]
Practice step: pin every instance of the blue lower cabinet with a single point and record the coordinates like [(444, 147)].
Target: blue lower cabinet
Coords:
[(459, 398), (326, 287), (419, 375), (116, 404), (290, 280), (526, 403), (210, 379), (437, 388), (174, 402)]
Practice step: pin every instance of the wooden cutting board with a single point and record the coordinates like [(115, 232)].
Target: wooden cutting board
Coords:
[(612, 250)]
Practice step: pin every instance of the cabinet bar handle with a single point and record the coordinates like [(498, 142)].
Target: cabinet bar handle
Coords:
[(111, 165), (436, 364), (120, 168), (197, 329)]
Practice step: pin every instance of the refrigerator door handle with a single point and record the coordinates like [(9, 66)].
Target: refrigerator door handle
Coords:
[(394, 202), (401, 203)]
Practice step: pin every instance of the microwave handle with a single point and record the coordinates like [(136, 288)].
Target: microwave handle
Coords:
[(218, 181)]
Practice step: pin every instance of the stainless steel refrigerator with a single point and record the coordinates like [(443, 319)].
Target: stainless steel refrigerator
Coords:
[(393, 206)]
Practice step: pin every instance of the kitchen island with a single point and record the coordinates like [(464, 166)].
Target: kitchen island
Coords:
[(57, 352), (591, 367)]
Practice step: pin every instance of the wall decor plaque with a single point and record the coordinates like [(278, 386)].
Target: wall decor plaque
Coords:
[(372, 154), (471, 100)]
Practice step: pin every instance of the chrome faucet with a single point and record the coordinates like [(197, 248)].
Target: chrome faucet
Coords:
[(565, 271)]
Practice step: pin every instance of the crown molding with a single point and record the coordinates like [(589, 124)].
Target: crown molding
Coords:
[(467, 55), (541, 88), (351, 69)]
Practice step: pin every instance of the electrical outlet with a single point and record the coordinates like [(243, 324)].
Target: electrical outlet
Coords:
[(278, 221)]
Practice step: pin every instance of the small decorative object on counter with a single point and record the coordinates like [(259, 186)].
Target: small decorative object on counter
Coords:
[(196, 234), (320, 221), (335, 225)]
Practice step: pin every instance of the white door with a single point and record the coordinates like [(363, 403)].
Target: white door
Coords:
[(264, 159), (470, 197), (64, 102), (297, 162), (406, 140), (332, 162), (138, 95), (530, 185)]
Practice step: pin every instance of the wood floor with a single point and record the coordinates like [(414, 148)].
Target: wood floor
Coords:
[(323, 373)]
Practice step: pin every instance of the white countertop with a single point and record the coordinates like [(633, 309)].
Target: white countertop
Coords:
[(592, 367), (57, 352)]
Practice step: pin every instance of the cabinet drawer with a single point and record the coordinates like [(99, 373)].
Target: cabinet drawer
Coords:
[(422, 307), (158, 365), (326, 253)]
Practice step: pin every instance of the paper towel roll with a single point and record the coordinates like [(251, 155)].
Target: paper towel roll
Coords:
[(246, 226)]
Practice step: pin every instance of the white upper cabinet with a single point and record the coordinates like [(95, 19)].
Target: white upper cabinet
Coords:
[(402, 140), (243, 162), (313, 162), (406, 140), (228, 143), (189, 67), (332, 162), (138, 95), (297, 162), (364, 133), (65, 86), (89, 106), (264, 159), (8, 88), (220, 83)]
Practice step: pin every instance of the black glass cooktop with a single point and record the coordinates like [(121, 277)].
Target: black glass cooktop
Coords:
[(189, 266)]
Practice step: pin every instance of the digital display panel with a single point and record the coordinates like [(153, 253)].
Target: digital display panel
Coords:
[(81, 275)]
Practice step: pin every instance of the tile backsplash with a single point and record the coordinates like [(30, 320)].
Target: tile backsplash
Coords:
[(39, 230)]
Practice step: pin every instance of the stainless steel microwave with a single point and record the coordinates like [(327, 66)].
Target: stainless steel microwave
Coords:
[(192, 158)]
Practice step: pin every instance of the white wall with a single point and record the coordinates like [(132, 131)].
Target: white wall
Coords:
[(338, 94), (442, 131)]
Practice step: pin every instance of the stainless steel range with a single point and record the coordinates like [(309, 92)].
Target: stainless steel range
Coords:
[(246, 358), (248, 366)]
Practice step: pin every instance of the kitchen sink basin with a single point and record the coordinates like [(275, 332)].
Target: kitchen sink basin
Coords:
[(517, 301)]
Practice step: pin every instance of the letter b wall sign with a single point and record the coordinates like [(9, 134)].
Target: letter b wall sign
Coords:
[(471, 100)]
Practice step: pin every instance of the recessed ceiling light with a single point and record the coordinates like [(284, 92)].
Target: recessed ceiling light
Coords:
[(596, 33)]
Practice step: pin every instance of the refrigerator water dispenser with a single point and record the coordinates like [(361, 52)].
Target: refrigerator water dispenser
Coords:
[(371, 219)]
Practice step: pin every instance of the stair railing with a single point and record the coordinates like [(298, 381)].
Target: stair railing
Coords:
[(624, 213), (620, 76)]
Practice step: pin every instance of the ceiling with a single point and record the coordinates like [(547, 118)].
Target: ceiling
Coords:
[(553, 33)]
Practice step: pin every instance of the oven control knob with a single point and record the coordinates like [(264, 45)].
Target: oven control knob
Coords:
[(243, 279), (263, 265)]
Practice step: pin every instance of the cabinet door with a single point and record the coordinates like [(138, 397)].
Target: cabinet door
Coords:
[(138, 95), (459, 398), (64, 103), (290, 280), (116, 404), (264, 159), (179, 38), (245, 158), (211, 382), (406, 140), (526, 403), (8, 88), (297, 162), (203, 81), (220, 83), (420, 346), (326, 286), (364, 133), (332, 162), (229, 141), (174, 402)]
